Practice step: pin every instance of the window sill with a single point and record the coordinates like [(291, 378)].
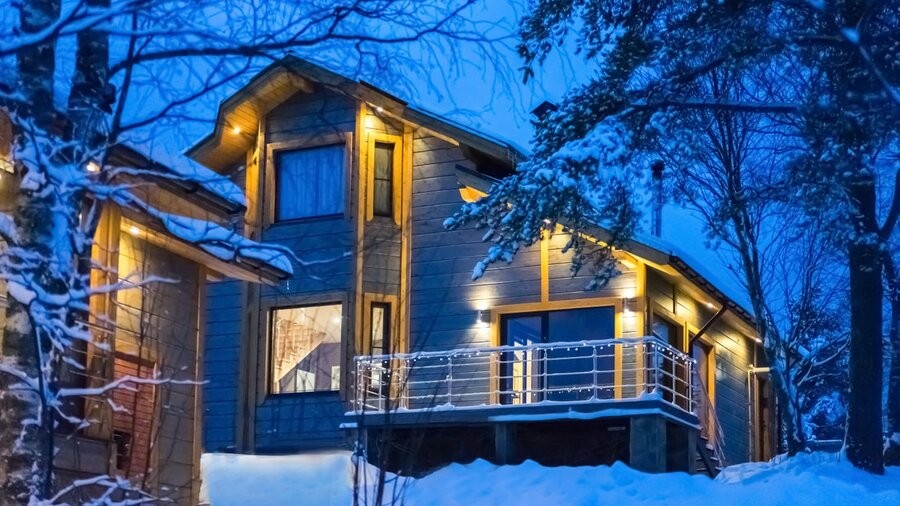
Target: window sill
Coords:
[(309, 219), (294, 395)]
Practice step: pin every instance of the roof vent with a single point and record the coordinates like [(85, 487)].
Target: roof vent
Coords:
[(544, 109), (658, 199)]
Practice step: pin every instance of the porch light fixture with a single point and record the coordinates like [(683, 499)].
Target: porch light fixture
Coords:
[(236, 130), (483, 316), (134, 231), (92, 167), (629, 304)]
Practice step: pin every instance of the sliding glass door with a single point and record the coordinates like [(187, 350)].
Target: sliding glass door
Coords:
[(558, 373)]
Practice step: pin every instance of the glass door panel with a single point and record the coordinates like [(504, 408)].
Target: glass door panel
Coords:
[(573, 371), (568, 373), (520, 381)]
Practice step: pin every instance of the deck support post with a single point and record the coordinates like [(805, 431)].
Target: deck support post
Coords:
[(681, 441), (647, 443), (504, 443)]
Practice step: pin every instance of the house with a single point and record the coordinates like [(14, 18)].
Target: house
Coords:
[(383, 339), (147, 330)]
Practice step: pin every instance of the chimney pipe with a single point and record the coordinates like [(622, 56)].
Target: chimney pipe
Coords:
[(657, 196)]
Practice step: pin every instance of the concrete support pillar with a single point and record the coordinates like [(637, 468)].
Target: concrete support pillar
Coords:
[(504, 443), (647, 443), (681, 443)]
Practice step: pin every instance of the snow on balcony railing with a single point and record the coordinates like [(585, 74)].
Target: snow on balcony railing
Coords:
[(582, 371)]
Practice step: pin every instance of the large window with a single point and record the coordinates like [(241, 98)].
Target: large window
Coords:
[(383, 192), (310, 182), (306, 349)]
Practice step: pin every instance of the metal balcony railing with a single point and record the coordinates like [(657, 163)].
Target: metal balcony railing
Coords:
[(583, 371)]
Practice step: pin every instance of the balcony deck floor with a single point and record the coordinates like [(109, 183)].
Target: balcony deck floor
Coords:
[(521, 413)]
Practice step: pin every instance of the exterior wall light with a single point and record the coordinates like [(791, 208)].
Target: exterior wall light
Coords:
[(629, 304), (483, 316)]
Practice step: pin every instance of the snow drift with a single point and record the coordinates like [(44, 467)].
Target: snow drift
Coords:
[(327, 479)]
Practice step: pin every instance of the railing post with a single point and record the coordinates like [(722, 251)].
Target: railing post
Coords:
[(450, 380), (361, 385), (690, 385), (596, 374), (543, 353)]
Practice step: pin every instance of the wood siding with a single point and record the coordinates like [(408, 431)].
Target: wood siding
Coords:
[(443, 296), (238, 405), (733, 351)]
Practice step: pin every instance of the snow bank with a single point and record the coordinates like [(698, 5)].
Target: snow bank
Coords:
[(326, 479)]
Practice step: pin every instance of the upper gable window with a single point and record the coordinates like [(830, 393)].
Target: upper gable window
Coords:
[(309, 182)]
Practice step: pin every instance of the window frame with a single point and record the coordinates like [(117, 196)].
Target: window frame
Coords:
[(373, 139), (389, 213), (387, 334), (270, 198), (270, 346)]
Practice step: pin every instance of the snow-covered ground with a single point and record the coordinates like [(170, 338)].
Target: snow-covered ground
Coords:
[(326, 479)]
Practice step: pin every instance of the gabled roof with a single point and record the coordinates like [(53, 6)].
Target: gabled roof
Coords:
[(659, 252), (242, 112)]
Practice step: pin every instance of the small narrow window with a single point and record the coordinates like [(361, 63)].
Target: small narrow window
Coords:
[(383, 192), (306, 349), (122, 440), (381, 329)]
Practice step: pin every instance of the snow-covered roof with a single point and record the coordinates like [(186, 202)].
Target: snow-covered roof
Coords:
[(193, 172), (728, 286), (668, 252)]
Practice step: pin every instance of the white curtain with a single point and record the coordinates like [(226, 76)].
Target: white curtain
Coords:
[(310, 182)]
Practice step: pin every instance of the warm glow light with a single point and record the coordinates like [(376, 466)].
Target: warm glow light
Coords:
[(134, 230), (710, 305), (92, 167), (236, 130), (379, 109)]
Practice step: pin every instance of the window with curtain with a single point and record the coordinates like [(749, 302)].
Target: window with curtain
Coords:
[(383, 192), (306, 349), (309, 182)]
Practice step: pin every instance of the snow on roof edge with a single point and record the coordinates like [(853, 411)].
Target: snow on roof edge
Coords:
[(184, 166), (735, 293)]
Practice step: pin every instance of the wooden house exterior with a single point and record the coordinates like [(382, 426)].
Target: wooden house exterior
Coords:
[(382, 335), (151, 331)]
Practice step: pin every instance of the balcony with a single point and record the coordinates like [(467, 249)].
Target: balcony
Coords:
[(588, 379)]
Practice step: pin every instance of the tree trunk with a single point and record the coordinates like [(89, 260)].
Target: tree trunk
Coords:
[(36, 64), (864, 431), (26, 429), (892, 449), (26, 420)]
